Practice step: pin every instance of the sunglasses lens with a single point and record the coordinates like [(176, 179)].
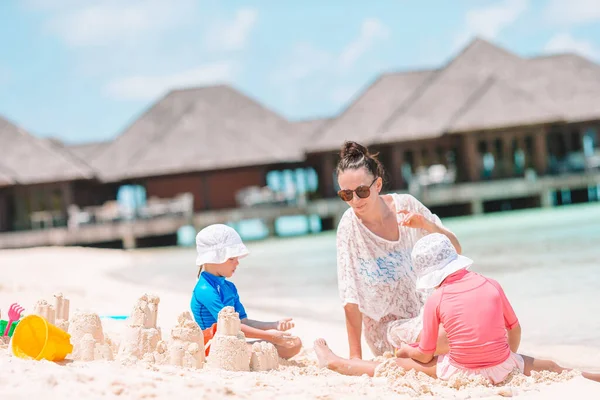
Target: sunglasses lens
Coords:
[(345, 195), (363, 192)]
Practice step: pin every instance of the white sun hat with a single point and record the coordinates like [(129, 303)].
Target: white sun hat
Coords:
[(216, 243), (434, 258)]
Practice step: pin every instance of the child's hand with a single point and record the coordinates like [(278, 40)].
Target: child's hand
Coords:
[(283, 339), (285, 324), (404, 351)]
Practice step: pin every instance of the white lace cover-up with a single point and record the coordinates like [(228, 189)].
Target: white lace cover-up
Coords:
[(377, 275)]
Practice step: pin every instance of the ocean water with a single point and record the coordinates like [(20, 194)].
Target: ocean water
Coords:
[(548, 261)]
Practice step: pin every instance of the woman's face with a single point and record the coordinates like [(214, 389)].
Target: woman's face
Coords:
[(351, 179)]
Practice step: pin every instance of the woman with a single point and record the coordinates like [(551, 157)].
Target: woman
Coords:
[(375, 237)]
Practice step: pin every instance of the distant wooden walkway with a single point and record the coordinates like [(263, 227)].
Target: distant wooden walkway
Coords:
[(471, 194)]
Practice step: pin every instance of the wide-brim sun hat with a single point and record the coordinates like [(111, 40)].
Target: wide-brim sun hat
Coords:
[(434, 258), (217, 243)]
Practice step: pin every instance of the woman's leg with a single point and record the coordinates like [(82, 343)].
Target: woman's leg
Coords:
[(356, 367), (535, 364)]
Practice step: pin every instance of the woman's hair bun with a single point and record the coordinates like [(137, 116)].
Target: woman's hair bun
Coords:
[(353, 150), (355, 156)]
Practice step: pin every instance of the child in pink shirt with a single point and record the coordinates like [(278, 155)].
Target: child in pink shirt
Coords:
[(482, 328)]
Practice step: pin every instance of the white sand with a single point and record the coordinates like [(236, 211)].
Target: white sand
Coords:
[(83, 276)]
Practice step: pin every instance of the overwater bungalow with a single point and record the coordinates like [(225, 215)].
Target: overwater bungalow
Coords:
[(486, 115), (39, 179), (211, 142)]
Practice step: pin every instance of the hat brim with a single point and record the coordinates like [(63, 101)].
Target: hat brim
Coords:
[(219, 256), (434, 278)]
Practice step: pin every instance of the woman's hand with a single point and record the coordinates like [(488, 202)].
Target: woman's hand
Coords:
[(416, 221), (285, 324)]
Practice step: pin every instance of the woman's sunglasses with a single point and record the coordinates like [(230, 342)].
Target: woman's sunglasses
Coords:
[(362, 192)]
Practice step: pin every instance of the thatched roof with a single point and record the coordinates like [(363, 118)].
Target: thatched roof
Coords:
[(497, 105), (307, 128), (198, 129), (456, 89), (5, 179), (361, 119), (483, 87), (88, 151), (569, 81), (26, 159)]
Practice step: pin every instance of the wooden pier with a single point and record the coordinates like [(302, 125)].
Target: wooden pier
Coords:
[(473, 197)]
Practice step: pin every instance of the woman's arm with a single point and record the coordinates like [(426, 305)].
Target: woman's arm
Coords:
[(418, 216), (354, 329), (434, 228)]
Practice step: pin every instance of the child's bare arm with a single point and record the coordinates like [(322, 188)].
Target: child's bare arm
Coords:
[(281, 325), (407, 351), (278, 338), (263, 326), (514, 338)]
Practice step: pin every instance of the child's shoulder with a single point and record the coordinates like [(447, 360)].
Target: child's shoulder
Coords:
[(230, 284)]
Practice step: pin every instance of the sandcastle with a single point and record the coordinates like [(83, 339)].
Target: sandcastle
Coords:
[(264, 357), (88, 339), (187, 345), (228, 349), (56, 314), (141, 336)]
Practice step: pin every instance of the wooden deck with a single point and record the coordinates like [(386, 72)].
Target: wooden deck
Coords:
[(129, 231)]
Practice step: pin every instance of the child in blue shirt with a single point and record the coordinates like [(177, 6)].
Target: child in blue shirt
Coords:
[(219, 247)]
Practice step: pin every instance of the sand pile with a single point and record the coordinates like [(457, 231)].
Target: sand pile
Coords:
[(141, 336), (187, 343), (228, 348), (464, 386), (88, 339), (57, 314)]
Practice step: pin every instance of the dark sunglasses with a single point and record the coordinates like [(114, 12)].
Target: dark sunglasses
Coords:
[(362, 192)]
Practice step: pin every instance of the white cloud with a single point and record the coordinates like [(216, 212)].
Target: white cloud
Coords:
[(307, 70), (564, 42), (488, 22), (148, 87), (570, 12), (96, 23), (371, 30), (233, 35), (304, 61)]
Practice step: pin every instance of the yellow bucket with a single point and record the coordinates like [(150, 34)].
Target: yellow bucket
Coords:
[(35, 338)]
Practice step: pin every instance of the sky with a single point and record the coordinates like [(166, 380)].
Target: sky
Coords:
[(83, 70)]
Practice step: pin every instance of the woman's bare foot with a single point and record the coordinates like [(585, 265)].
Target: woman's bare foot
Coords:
[(324, 353)]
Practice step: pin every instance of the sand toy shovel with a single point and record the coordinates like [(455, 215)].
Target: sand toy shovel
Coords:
[(14, 314)]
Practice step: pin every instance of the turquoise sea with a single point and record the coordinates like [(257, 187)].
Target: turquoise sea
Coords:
[(548, 261)]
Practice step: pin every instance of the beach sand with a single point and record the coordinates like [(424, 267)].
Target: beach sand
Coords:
[(84, 277)]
